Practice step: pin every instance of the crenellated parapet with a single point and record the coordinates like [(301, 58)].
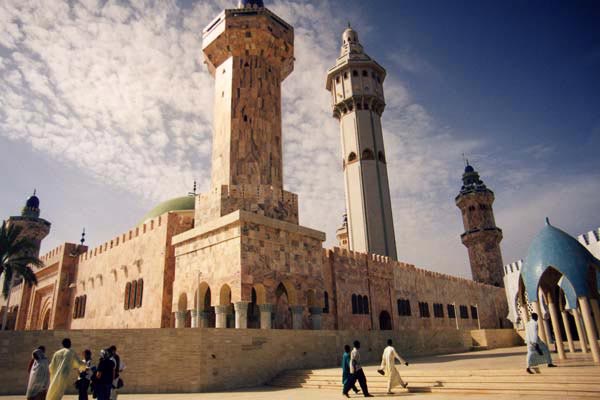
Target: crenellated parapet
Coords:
[(132, 234)]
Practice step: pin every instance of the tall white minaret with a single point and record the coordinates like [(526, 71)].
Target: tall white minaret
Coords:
[(355, 83)]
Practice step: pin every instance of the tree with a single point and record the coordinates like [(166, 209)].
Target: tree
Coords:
[(16, 257)]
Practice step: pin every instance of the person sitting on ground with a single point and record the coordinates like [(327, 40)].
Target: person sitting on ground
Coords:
[(346, 368), (537, 351), (388, 360)]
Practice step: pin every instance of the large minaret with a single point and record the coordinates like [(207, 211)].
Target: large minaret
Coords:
[(249, 51), (481, 237), (355, 83)]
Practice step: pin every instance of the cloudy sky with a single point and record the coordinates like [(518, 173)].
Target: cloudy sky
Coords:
[(106, 109)]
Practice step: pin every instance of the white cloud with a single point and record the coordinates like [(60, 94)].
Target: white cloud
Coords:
[(119, 91)]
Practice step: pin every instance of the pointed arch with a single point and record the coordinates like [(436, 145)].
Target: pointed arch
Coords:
[(225, 295)]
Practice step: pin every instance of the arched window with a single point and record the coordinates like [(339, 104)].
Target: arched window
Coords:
[(381, 157), (337, 79), (365, 73), (351, 156), (76, 307), (359, 300), (133, 294), (354, 304), (140, 292), (355, 73), (326, 303), (127, 294), (367, 154), (345, 75), (365, 304), (82, 304)]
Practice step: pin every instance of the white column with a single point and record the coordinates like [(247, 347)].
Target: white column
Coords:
[(556, 328), (565, 320), (194, 318), (315, 315), (266, 310), (596, 311), (241, 315), (580, 331), (584, 304), (541, 331), (221, 316), (297, 316), (180, 319), (203, 319)]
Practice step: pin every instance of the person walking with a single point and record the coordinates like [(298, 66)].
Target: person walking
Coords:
[(346, 368), (356, 373), (39, 376), (105, 374), (64, 361), (388, 369), (83, 382), (537, 351)]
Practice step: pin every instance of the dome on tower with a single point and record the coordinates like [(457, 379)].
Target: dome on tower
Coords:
[(251, 4), (350, 35), (32, 207), (33, 202), (468, 168)]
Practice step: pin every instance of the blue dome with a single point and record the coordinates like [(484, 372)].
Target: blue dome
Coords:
[(468, 168), (33, 202), (251, 4), (555, 248)]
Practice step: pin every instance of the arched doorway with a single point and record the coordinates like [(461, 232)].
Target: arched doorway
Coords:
[(182, 307), (46, 320), (385, 321), (283, 315), (225, 300)]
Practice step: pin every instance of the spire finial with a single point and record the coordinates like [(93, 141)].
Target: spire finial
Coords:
[(349, 26), (82, 237), (465, 159), (548, 221), (193, 193), (34, 191)]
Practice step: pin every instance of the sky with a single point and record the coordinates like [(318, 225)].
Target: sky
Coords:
[(106, 109)]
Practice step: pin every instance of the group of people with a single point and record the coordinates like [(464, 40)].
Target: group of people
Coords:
[(352, 370), (49, 380)]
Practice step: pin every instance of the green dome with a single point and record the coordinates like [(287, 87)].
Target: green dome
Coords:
[(176, 204)]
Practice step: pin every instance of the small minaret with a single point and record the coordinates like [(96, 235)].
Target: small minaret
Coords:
[(355, 83), (342, 234), (481, 237), (33, 227)]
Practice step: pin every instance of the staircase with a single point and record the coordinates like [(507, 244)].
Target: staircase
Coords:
[(570, 380)]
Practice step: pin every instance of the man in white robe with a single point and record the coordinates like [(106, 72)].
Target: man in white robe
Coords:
[(64, 361), (387, 367), (537, 351)]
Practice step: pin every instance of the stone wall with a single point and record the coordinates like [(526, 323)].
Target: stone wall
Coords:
[(496, 338), (144, 253), (192, 360), (385, 282)]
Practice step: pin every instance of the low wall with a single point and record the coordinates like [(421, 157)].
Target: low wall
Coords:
[(496, 338), (196, 360)]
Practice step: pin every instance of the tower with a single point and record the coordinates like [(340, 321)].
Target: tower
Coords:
[(481, 237), (249, 51), (355, 83), (35, 229)]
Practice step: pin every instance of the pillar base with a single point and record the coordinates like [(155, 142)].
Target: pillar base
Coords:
[(266, 312), (221, 316), (241, 314)]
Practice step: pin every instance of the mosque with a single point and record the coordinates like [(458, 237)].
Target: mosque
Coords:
[(237, 256)]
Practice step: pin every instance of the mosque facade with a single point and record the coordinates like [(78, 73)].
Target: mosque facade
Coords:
[(237, 256)]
